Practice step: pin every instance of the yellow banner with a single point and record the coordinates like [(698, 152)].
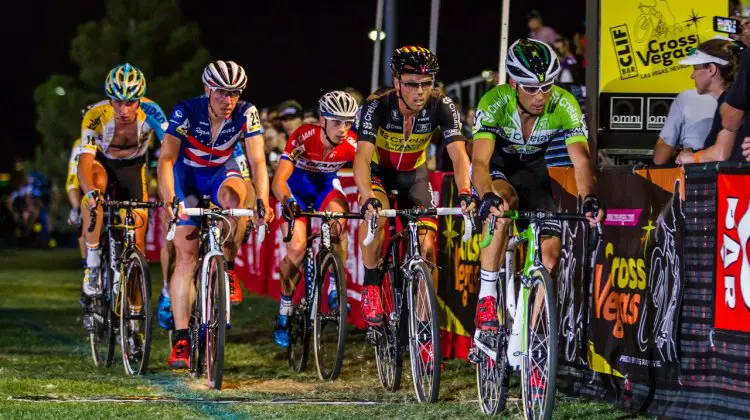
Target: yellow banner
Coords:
[(642, 41)]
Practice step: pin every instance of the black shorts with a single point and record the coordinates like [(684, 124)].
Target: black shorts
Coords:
[(414, 190), (126, 178), (533, 187)]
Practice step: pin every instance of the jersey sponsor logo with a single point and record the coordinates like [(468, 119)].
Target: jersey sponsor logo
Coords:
[(319, 166), (153, 112), (178, 113), (95, 123), (390, 126), (228, 130), (521, 149), (367, 126), (394, 142), (423, 128), (301, 137), (395, 114), (565, 104), (454, 112), (451, 133), (370, 110), (201, 132)]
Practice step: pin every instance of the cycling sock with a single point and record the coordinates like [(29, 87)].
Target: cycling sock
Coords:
[(285, 308), (372, 277), (182, 334), (230, 265), (489, 284), (92, 256), (165, 290)]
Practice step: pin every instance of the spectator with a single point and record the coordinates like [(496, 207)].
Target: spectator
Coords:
[(290, 114), (537, 29), (355, 93), (715, 63), (687, 126), (571, 76)]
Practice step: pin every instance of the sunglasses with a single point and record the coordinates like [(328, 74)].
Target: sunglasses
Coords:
[(416, 85), (228, 93), (533, 90)]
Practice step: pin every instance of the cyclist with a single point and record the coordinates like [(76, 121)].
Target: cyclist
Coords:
[(115, 136), (306, 176), (167, 254), (514, 125), (73, 191), (395, 128), (195, 161)]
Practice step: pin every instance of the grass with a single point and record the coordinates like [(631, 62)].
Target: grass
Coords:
[(44, 354)]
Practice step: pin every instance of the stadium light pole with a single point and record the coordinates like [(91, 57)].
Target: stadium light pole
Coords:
[(503, 42), (434, 15), (376, 50)]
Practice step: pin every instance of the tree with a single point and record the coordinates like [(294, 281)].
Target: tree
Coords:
[(151, 35)]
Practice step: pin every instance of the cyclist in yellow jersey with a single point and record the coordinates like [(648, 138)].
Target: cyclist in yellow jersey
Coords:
[(115, 137), (73, 191)]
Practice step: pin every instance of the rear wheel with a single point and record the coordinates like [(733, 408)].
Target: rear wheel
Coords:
[(102, 340), (492, 372), (424, 334), (388, 351), (329, 326), (216, 320), (539, 371), (135, 319)]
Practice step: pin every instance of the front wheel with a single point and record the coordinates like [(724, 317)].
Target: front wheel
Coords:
[(329, 326), (102, 339), (424, 334), (539, 370), (492, 372), (216, 320), (135, 310)]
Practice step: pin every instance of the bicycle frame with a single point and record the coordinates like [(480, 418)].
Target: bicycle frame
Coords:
[(210, 238)]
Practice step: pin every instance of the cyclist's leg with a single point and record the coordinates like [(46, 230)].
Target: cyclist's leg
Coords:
[(182, 289), (289, 274), (93, 255), (372, 309), (492, 257), (332, 198), (132, 185)]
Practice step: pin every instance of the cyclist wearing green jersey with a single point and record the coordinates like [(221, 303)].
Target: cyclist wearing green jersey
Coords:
[(514, 125)]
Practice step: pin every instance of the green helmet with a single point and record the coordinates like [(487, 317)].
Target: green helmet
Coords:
[(531, 62)]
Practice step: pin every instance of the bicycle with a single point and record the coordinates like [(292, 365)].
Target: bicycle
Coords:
[(328, 324), (210, 315), (409, 278), (124, 307), (527, 337)]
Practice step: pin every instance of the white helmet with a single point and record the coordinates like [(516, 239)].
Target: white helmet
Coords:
[(226, 75), (338, 105), (531, 62)]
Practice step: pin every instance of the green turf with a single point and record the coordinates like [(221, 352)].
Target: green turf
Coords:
[(45, 353)]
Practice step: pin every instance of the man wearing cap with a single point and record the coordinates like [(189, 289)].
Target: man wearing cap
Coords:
[(537, 29), (290, 114)]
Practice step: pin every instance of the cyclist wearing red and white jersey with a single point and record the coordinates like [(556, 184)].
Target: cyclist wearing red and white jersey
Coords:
[(196, 160), (396, 127), (306, 177)]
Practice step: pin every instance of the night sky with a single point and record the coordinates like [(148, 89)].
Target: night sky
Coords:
[(289, 49)]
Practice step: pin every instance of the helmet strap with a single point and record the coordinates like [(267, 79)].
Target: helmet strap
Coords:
[(210, 108), (520, 105), (401, 98)]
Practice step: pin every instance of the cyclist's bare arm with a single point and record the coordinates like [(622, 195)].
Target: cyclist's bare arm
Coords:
[(86, 172), (170, 150), (74, 198), (584, 170), (362, 175), (279, 184), (256, 157), (457, 152)]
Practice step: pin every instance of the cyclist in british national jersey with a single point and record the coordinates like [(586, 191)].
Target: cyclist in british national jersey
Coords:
[(395, 128), (196, 160), (115, 136), (514, 125), (306, 177)]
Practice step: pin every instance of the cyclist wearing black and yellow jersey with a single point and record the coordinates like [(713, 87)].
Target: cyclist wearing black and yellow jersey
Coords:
[(73, 191), (514, 125), (115, 136), (395, 128)]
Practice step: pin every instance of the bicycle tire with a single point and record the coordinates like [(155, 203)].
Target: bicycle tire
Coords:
[(324, 317), (299, 338), (493, 374), (538, 392), (216, 320), (197, 339), (134, 289), (102, 341), (424, 335), (388, 354)]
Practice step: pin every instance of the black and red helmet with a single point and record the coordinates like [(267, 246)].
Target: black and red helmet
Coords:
[(414, 59)]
